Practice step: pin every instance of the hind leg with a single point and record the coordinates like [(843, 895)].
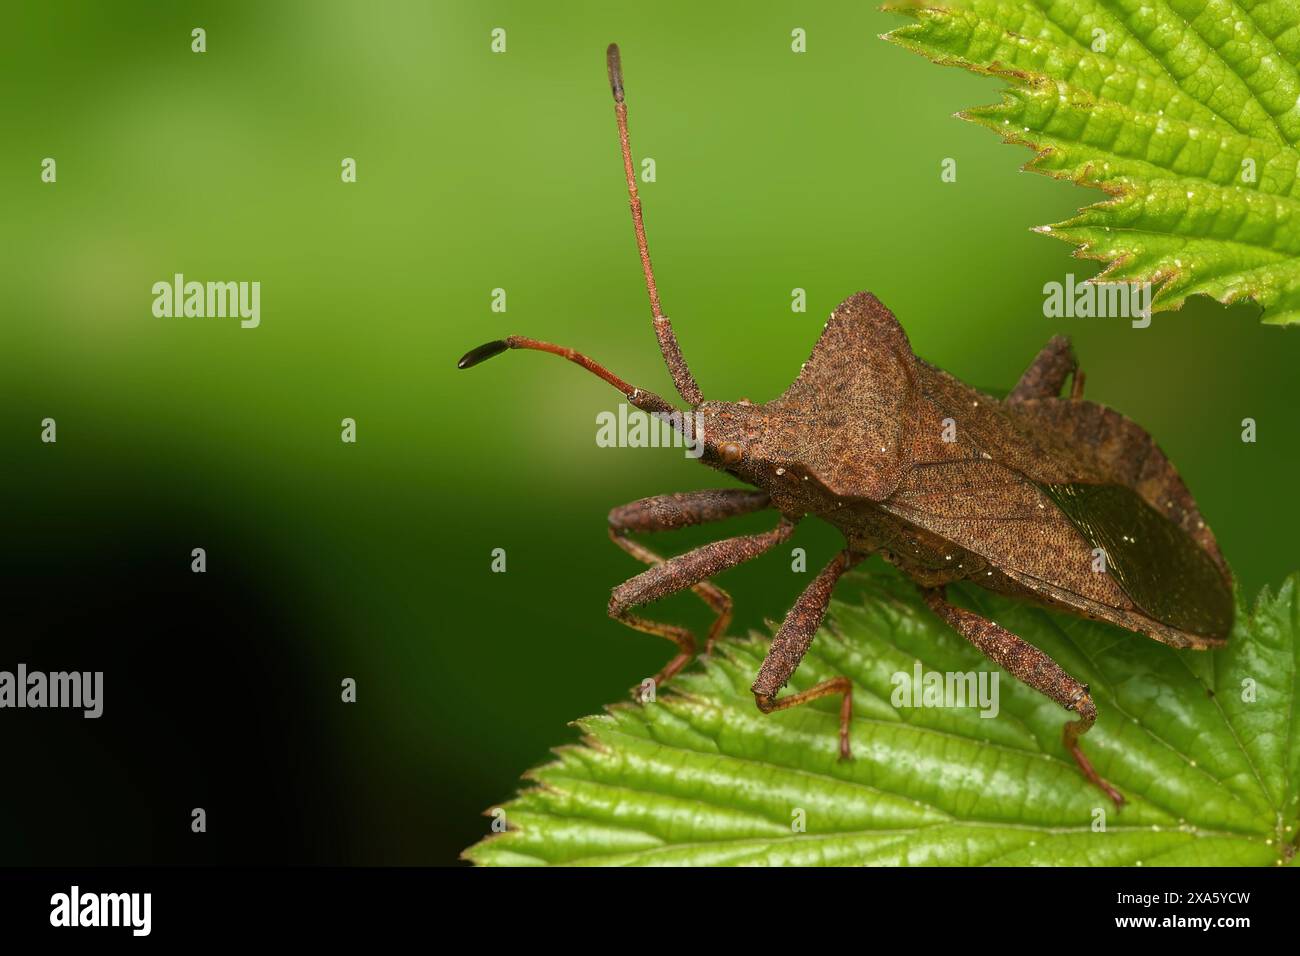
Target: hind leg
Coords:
[(1028, 664), (1048, 372)]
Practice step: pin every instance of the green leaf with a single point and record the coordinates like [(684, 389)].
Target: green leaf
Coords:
[(1204, 745), (1187, 112)]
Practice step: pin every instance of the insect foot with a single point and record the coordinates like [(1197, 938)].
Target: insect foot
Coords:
[(1087, 711), (769, 704)]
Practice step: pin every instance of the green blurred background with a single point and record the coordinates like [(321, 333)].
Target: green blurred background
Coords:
[(476, 170)]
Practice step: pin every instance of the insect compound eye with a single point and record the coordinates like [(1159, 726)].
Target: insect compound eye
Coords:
[(730, 452)]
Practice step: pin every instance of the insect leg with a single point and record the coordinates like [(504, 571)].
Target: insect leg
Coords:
[(792, 642), (1031, 666), (669, 512), (1048, 372), (677, 574)]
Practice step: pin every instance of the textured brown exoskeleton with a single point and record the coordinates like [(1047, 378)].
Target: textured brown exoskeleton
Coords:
[(1055, 500)]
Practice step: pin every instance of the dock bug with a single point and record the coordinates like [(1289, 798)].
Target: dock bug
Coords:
[(1058, 501)]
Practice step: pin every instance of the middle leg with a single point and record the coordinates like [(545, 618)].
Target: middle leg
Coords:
[(791, 644)]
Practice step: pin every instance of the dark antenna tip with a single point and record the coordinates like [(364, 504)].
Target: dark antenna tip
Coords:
[(615, 64), (482, 353)]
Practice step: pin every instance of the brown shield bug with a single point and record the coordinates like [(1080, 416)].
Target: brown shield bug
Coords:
[(1058, 501)]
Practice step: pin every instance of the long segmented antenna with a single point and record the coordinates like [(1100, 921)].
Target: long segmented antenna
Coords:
[(672, 352), (642, 399), (682, 378)]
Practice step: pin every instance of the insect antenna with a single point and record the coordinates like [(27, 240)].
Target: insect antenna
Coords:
[(642, 399), (672, 352)]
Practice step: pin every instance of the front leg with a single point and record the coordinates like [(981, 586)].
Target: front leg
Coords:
[(791, 644), (1028, 664), (684, 571), (683, 509)]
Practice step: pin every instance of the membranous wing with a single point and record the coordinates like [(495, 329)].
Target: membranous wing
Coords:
[(993, 511), (1158, 564), (1044, 489)]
